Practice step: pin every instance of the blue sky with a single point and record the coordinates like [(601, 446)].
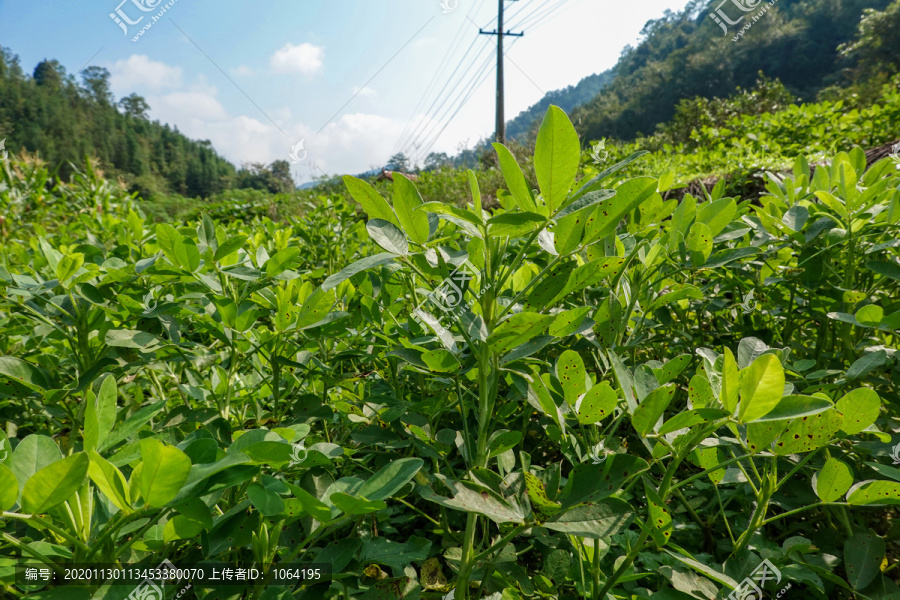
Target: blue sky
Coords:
[(287, 66)]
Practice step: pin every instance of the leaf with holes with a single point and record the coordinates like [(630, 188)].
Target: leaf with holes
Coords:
[(832, 481), (806, 434), (571, 375), (860, 408), (863, 554), (598, 403), (659, 518)]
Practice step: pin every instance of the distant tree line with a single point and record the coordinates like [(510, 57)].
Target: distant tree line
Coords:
[(63, 120)]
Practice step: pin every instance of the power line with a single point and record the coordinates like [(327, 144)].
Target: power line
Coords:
[(441, 68), (438, 72), (449, 102), (444, 98), (482, 75)]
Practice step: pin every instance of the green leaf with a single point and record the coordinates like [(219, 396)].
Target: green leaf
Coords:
[(689, 418), (356, 506), (888, 269), (186, 254), (517, 330), (395, 555), (9, 488), (267, 502), (357, 267), (54, 483), (542, 506), (699, 243), (556, 156), (660, 520), (571, 375), (860, 408), (809, 433), (606, 216), (68, 266), (515, 179), (468, 221), (503, 440), (110, 481), (863, 555), (598, 403), (514, 224), (388, 481), (131, 425), (180, 528), (229, 246), (672, 368), (590, 482), (164, 470), (762, 385), (793, 407), (31, 455), (441, 361), (832, 481), (389, 236), (596, 521), (731, 382), (476, 191), (371, 201), (651, 409), (131, 338), (569, 321), (18, 378), (875, 492), (870, 315), (406, 200), (315, 507), (100, 413), (281, 261), (866, 364), (469, 497), (585, 202), (315, 307)]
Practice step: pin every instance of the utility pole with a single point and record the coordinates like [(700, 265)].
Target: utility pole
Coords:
[(501, 117)]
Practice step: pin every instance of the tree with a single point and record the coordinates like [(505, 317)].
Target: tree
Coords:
[(134, 106), (96, 83), (49, 73), (398, 162), (437, 160)]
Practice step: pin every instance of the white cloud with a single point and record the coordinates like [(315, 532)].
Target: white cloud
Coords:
[(180, 106), (305, 58), (242, 71), (138, 72)]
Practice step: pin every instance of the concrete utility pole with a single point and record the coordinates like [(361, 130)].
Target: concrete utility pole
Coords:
[(501, 118)]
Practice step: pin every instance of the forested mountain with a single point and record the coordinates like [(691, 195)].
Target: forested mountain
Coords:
[(568, 99), (64, 121), (686, 54)]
